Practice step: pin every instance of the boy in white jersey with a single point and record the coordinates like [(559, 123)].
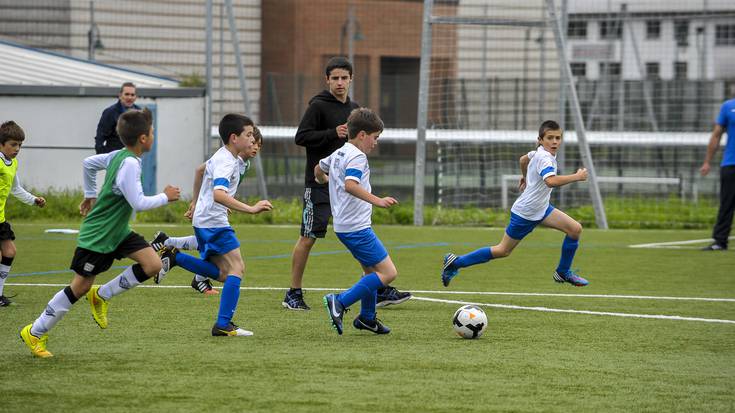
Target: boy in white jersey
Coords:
[(348, 174), (11, 139), (105, 234), (201, 283), (216, 240), (531, 209)]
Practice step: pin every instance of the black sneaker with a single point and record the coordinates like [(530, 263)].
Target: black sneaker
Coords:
[(294, 300), (230, 331), (336, 311), (4, 301), (204, 287), (389, 295), (715, 247), (168, 261), (159, 241), (375, 326)]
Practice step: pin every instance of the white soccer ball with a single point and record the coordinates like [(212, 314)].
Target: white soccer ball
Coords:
[(469, 321)]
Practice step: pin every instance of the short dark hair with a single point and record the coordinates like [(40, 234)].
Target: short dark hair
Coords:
[(127, 84), (546, 126), (233, 123), (338, 62), (363, 119), (11, 131), (133, 123), (257, 135)]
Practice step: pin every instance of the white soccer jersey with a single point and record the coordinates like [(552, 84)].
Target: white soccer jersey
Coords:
[(349, 213), (221, 172), (534, 200)]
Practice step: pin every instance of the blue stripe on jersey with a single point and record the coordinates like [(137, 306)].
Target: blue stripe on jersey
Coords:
[(353, 172), (547, 170), (221, 182)]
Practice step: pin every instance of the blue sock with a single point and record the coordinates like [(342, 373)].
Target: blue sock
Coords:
[(475, 257), (568, 248), (363, 288), (197, 266), (228, 301), (367, 306)]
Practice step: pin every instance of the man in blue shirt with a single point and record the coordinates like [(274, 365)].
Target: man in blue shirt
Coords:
[(107, 139), (725, 123)]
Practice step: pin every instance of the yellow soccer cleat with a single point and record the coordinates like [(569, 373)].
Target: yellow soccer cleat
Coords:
[(98, 306), (37, 345)]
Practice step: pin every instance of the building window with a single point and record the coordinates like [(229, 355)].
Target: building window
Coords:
[(653, 29), (579, 69), (653, 70), (681, 33), (611, 29), (725, 35), (680, 70), (611, 69), (577, 29)]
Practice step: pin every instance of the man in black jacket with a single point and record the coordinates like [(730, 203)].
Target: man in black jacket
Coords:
[(322, 130), (107, 139)]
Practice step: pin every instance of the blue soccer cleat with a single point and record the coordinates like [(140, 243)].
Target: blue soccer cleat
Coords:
[(336, 311), (570, 277), (449, 272)]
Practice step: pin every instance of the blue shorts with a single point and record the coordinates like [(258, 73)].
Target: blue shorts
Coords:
[(215, 241), (519, 227), (364, 246)]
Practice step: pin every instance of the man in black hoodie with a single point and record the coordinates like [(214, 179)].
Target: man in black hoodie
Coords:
[(322, 130)]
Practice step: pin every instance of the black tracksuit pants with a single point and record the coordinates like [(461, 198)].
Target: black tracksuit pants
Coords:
[(723, 226)]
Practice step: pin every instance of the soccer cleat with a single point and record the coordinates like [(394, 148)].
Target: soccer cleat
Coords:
[(98, 306), (5, 301), (389, 295), (204, 287), (36, 344), (449, 272), (294, 300), (168, 261), (374, 326), (570, 277), (159, 241), (230, 331), (336, 311), (715, 247)]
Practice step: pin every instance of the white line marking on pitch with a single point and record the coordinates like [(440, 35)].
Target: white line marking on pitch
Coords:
[(635, 297), (672, 244), (559, 310)]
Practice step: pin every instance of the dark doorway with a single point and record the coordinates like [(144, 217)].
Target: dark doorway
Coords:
[(399, 91)]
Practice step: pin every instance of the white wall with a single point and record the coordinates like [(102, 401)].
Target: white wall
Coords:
[(69, 121)]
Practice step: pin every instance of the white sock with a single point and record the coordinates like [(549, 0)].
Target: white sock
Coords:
[(4, 271), (54, 312), (183, 243), (200, 278), (118, 285)]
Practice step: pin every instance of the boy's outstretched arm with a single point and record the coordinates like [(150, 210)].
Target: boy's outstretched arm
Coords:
[(222, 197), (559, 180), (353, 188), (320, 176), (523, 161), (24, 196), (128, 181), (198, 177)]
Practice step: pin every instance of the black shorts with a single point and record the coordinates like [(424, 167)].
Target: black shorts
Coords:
[(316, 214), (89, 263), (6, 232)]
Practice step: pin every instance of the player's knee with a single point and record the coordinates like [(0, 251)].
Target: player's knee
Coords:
[(500, 252), (9, 251), (575, 231), (151, 268)]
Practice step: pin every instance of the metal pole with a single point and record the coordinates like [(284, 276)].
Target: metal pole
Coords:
[(91, 34), (483, 82), (422, 118), (561, 154), (644, 80), (221, 59), (262, 188), (621, 80), (351, 41), (208, 71), (584, 148)]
